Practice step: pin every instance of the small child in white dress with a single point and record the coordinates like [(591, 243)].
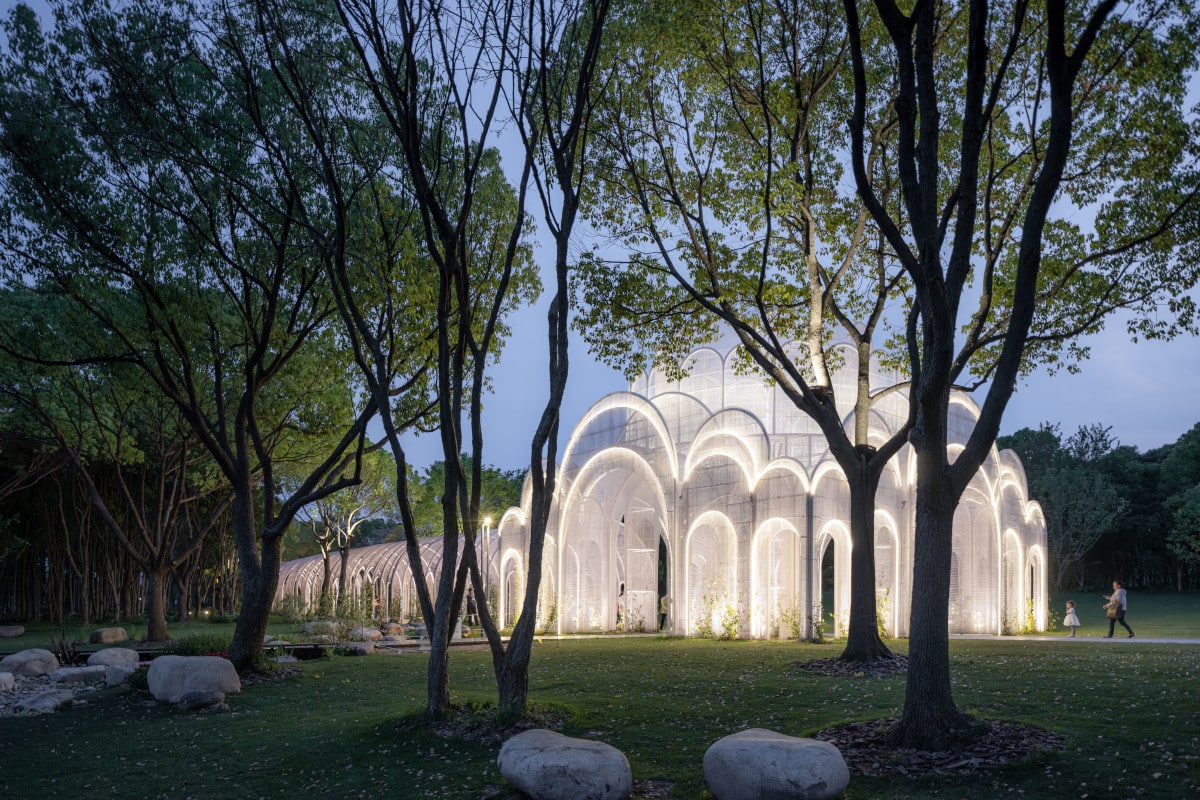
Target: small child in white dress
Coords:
[(1072, 619)]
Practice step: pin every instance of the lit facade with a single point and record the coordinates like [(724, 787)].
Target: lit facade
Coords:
[(717, 492)]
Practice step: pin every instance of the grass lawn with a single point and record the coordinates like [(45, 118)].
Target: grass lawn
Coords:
[(1130, 713), (1151, 614)]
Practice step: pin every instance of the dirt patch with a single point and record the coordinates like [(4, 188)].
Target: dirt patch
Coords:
[(487, 726), (894, 664)]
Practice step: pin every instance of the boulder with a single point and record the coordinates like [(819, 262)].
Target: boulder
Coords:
[(549, 766), (757, 763), (359, 648), (365, 634), (202, 701), (116, 674), (47, 702), (114, 655), (7, 681), (109, 636), (32, 663), (11, 631), (393, 629), (78, 674), (172, 677), (390, 641)]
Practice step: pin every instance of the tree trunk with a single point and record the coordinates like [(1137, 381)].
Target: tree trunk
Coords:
[(156, 607), (930, 719), (259, 567), (344, 598), (862, 638), (438, 683)]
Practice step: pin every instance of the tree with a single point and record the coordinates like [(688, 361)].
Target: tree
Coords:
[(112, 423), (136, 189), (1007, 115), (1180, 486), (499, 491), (439, 73), (1079, 502), (339, 515), (719, 172)]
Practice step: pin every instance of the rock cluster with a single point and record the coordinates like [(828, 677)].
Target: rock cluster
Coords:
[(39, 695)]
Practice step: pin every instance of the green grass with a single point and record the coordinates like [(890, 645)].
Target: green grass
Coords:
[(1130, 713), (1151, 614), (39, 634)]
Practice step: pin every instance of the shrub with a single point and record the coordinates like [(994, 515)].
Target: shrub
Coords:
[(200, 644), (138, 680)]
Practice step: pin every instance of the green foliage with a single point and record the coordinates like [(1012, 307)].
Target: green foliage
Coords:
[(138, 680), (499, 491), (291, 609), (199, 644), (717, 616)]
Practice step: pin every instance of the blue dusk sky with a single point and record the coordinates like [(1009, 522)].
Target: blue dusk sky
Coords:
[(1147, 392)]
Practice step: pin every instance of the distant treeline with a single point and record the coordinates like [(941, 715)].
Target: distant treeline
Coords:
[(60, 560), (1113, 512)]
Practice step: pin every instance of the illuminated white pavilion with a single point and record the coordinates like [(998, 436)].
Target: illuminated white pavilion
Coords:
[(717, 492)]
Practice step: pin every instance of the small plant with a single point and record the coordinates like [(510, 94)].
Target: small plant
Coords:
[(291, 609), (718, 616), (65, 648), (816, 622), (139, 679), (883, 612), (788, 621), (728, 620)]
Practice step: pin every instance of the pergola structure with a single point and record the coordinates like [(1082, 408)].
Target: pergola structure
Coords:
[(717, 493)]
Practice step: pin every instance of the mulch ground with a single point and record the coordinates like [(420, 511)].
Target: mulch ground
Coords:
[(865, 745)]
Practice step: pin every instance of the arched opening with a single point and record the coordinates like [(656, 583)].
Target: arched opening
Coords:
[(828, 618), (712, 574), (833, 561), (612, 530), (512, 588), (1012, 592), (775, 582)]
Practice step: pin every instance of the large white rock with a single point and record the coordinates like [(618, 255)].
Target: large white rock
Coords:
[(549, 766), (756, 763), (109, 635), (7, 681), (32, 663), (113, 656), (11, 631), (171, 677), (78, 674)]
